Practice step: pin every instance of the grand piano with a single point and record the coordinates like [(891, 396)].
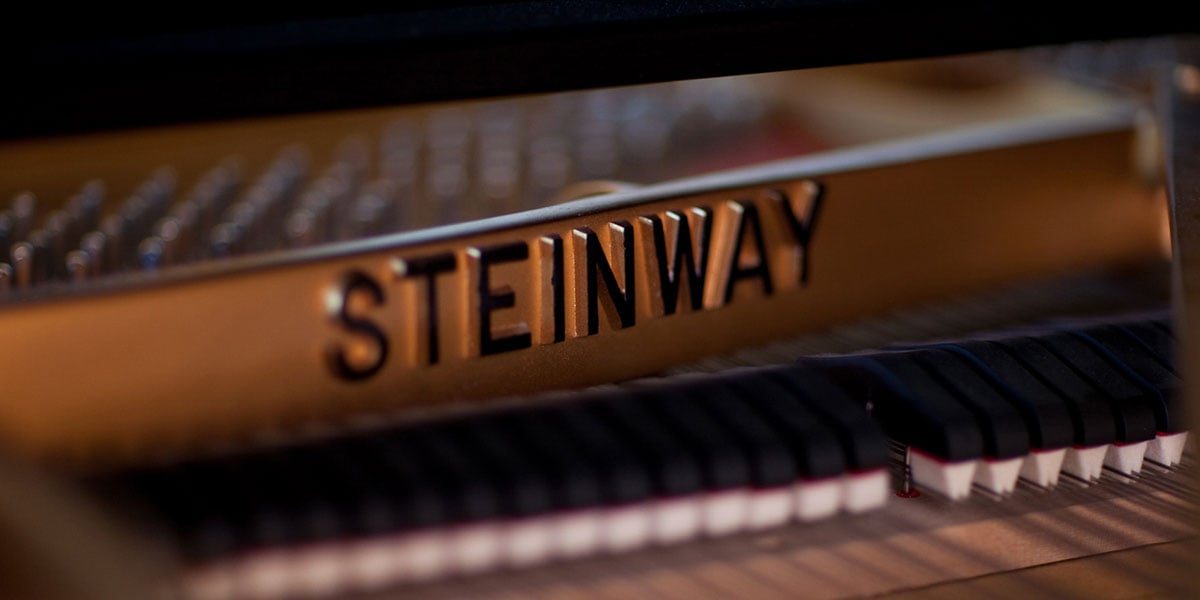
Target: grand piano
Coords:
[(572, 299)]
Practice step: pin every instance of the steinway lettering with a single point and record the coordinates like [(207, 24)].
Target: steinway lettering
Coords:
[(573, 280)]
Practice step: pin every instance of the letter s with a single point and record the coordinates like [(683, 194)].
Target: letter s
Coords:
[(338, 362)]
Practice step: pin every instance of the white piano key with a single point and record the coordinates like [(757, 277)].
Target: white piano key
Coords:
[(1167, 448), (370, 563), (318, 571), (770, 508), (422, 555), (998, 476), (625, 528), (818, 499), (865, 491), (577, 533), (1126, 458), (677, 519), (950, 479), (725, 512), (1085, 463), (1041, 467), (265, 574), (476, 547), (528, 541), (210, 582)]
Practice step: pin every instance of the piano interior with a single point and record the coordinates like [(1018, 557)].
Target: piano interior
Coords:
[(899, 329)]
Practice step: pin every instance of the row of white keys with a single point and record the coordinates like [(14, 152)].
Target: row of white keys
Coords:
[(1043, 467), (333, 567)]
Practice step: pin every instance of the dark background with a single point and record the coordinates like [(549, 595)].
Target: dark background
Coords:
[(100, 67)]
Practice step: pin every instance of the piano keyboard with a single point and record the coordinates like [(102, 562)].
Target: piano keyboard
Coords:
[(664, 461), (990, 409)]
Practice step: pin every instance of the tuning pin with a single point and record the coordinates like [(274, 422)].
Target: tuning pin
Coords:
[(186, 218), (150, 254), (399, 152), (24, 212), (168, 231), (448, 128), (159, 188), (355, 153), (79, 265), (446, 188), (549, 167), (300, 228), (94, 245), (500, 177), (224, 240), (22, 265), (113, 228), (367, 214), (133, 214), (85, 206), (599, 149), (6, 234), (59, 230), (41, 267)]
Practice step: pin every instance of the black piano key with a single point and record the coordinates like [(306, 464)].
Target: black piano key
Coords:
[(624, 478), (472, 495), (573, 480), (263, 502), (863, 442), (1098, 420), (225, 510), (369, 500), (1156, 341), (1045, 417), (912, 407), (421, 494), (221, 505), (1004, 432), (770, 459), (289, 497), (1134, 406), (325, 500), (194, 503), (1165, 327), (1083, 421), (673, 468), (522, 486), (1133, 360), (815, 446), (723, 462)]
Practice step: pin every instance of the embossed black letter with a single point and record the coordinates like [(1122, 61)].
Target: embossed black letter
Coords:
[(696, 267), (599, 269), (490, 301), (802, 230), (354, 282), (429, 267), (747, 218)]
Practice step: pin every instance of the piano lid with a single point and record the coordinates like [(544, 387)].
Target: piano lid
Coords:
[(99, 69)]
